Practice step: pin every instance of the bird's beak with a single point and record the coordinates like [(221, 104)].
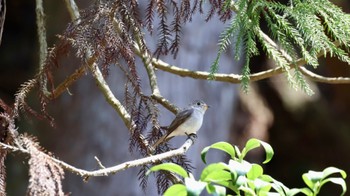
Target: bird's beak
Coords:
[(206, 106)]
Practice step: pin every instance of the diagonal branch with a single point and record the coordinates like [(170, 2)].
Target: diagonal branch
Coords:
[(67, 82), (101, 82), (107, 92), (148, 63), (113, 169)]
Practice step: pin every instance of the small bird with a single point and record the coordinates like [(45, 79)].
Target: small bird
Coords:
[(186, 122)]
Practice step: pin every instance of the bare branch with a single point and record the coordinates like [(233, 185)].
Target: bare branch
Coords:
[(101, 82), (2, 17), (109, 170), (40, 21), (318, 78), (67, 82), (235, 78), (73, 9), (148, 63), (166, 103), (107, 92)]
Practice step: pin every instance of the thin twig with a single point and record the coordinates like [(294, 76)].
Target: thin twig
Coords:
[(62, 87), (318, 78), (109, 170)]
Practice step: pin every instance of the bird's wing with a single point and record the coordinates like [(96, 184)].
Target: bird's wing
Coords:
[(179, 119)]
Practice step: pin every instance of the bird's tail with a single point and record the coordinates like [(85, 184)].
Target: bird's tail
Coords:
[(160, 141)]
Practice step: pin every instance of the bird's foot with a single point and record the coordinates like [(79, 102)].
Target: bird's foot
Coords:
[(192, 136)]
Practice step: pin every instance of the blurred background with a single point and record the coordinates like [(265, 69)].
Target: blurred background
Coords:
[(307, 133)]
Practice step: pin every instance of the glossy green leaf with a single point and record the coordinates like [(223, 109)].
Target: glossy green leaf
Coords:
[(295, 191), (223, 146), (241, 168), (250, 145), (308, 181), (216, 190), (241, 180), (262, 185), (210, 188), (277, 185), (194, 187), (339, 181), (247, 190), (172, 167), (176, 189), (228, 184), (332, 170), (254, 143), (255, 172), (215, 172), (268, 150)]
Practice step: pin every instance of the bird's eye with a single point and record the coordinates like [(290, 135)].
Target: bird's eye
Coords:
[(198, 103)]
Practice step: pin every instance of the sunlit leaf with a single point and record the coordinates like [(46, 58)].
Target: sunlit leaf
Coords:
[(215, 172), (332, 170), (241, 168), (172, 167), (223, 146), (296, 191), (254, 143), (308, 181), (176, 189), (194, 187), (339, 181), (255, 172), (216, 190)]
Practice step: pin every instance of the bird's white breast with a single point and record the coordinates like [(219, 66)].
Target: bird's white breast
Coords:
[(191, 125)]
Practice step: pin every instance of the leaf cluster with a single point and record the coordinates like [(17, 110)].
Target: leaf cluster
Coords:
[(302, 29), (241, 177)]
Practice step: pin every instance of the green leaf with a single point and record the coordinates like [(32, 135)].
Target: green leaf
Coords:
[(176, 189), (332, 170), (310, 183), (262, 186), (315, 176), (250, 145), (255, 172), (247, 190), (228, 184), (215, 172), (277, 185), (339, 181), (254, 143), (241, 168), (241, 181), (295, 191), (223, 146), (216, 190), (172, 167), (194, 187)]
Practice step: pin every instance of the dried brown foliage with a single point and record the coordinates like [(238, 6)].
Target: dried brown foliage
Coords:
[(45, 176)]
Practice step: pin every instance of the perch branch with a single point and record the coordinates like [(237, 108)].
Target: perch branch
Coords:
[(113, 169)]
